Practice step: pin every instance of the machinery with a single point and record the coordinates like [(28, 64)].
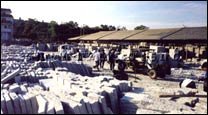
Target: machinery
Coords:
[(154, 61), (158, 62)]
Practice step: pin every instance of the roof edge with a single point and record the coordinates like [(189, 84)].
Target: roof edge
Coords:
[(162, 38), (106, 35), (135, 34)]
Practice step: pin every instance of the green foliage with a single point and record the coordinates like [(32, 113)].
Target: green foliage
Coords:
[(53, 32), (141, 27)]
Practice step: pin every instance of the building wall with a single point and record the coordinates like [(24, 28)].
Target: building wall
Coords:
[(6, 25)]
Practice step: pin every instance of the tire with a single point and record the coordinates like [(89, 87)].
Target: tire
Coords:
[(121, 66), (168, 71), (162, 71), (153, 74), (161, 74)]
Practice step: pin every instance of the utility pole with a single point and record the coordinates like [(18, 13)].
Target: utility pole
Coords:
[(80, 31), (83, 28)]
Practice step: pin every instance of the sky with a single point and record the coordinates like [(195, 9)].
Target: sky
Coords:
[(154, 14)]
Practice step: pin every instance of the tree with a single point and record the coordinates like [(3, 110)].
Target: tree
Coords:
[(19, 25), (43, 31), (29, 25), (112, 28), (52, 30), (104, 27), (121, 28), (107, 28), (72, 24), (141, 27)]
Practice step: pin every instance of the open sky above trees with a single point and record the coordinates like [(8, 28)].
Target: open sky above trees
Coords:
[(156, 14)]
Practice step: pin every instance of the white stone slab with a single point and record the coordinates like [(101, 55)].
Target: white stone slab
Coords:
[(75, 106), (104, 107), (79, 98), (22, 104), (16, 103), (34, 103), (15, 88), (88, 106), (3, 105), (9, 105), (11, 75), (112, 93), (95, 106), (28, 103), (70, 107), (6, 86), (23, 89), (58, 107), (50, 108), (42, 104)]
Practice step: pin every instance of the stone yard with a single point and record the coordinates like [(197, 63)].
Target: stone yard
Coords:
[(144, 98), (55, 87)]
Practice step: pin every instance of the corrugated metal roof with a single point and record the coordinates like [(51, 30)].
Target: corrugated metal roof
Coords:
[(76, 38), (97, 35), (120, 35), (152, 34), (190, 33)]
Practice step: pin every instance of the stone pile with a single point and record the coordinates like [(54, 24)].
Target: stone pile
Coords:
[(55, 87), (66, 92), (32, 72), (189, 73), (16, 53), (74, 67)]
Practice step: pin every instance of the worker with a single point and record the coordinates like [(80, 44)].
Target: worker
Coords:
[(183, 53), (63, 54), (79, 56), (176, 56), (102, 58), (111, 59), (96, 56), (204, 76)]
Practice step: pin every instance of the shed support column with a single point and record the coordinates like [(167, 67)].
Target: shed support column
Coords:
[(199, 52)]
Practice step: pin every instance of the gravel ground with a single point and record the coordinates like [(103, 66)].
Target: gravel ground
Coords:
[(169, 85)]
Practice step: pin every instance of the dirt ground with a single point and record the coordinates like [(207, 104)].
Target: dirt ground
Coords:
[(143, 84)]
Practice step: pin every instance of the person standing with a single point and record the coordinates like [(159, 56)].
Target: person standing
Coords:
[(111, 60), (183, 53), (79, 56), (176, 56), (96, 57), (102, 58), (63, 54)]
